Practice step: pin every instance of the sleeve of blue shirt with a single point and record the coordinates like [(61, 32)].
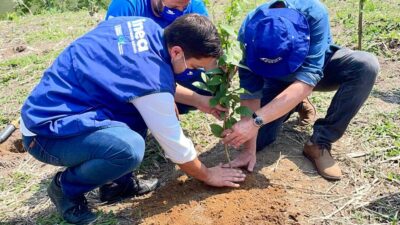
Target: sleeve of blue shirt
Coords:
[(121, 8), (248, 80), (198, 6), (311, 71)]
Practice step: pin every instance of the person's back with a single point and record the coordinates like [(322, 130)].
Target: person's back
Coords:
[(106, 68), (155, 9)]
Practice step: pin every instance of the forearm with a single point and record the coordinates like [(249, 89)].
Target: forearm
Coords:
[(195, 169), (285, 101), (253, 105), (186, 96)]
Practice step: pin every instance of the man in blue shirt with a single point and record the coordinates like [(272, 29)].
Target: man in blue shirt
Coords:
[(289, 53), (92, 104), (163, 12)]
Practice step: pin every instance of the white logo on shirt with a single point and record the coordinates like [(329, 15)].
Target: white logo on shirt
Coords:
[(121, 38), (138, 36), (271, 61)]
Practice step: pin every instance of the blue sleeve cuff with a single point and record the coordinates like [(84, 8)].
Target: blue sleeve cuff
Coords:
[(254, 95), (250, 81), (311, 79)]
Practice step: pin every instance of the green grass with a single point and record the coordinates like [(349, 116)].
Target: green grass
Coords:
[(53, 218), (45, 36), (17, 77), (384, 133), (104, 218), (381, 25), (19, 180)]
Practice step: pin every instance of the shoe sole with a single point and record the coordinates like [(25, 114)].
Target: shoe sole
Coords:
[(322, 175)]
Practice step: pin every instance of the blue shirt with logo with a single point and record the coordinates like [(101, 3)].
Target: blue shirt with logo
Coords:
[(311, 71), (91, 83), (143, 8)]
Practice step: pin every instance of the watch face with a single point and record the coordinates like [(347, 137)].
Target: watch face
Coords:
[(258, 121)]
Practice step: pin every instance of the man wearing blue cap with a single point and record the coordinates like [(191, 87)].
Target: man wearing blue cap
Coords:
[(289, 53), (164, 12), (92, 104)]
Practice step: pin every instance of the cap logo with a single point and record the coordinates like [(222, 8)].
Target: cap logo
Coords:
[(271, 61), (170, 12)]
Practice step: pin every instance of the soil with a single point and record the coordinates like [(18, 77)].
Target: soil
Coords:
[(10, 151)]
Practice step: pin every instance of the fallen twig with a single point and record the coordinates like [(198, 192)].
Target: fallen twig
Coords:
[(277, 162), (357, 154)]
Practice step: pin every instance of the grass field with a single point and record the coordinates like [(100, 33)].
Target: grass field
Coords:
[(369, 152)]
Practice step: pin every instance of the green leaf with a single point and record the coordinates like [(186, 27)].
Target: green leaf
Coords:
[(224, 101), (228, 29), (215, 80), (200, 85), (229, 123), (215, 71), (216, 129), (213, 89), (235, 98), (223, 89), (244, 111), (243, 66), (222, 60), (214, 101), (241, 91)]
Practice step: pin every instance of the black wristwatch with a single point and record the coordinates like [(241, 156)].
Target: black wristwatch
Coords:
[(257, 120)]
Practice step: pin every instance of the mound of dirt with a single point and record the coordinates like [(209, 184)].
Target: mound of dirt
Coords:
[(11, 150), (191, 202), (12, 144)]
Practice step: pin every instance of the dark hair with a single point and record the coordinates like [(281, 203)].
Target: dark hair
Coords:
[(196, 35)]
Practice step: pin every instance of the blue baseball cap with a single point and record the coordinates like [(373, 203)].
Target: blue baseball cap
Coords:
[(276, 41)]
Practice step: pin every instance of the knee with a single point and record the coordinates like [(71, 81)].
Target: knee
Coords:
[(368, 65), (265, 138), (128, 152), (263, 142)]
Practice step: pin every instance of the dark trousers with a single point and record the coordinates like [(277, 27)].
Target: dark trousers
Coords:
[(188, 83), (352, 74)]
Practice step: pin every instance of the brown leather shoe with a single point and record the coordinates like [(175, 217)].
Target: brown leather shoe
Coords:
[(306, 112), (323, 161)]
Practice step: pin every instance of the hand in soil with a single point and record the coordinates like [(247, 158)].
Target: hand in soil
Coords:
[(246, 159), (240, 132), (224, 177)]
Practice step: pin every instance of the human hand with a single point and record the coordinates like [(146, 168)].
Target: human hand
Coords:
[(246, 158), (203, 104), (224, 177), (240, 132)]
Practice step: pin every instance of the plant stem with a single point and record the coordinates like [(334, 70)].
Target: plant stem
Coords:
[(226, 145)]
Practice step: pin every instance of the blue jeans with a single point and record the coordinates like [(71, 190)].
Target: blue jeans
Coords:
[(352, 74), (92, 159)]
